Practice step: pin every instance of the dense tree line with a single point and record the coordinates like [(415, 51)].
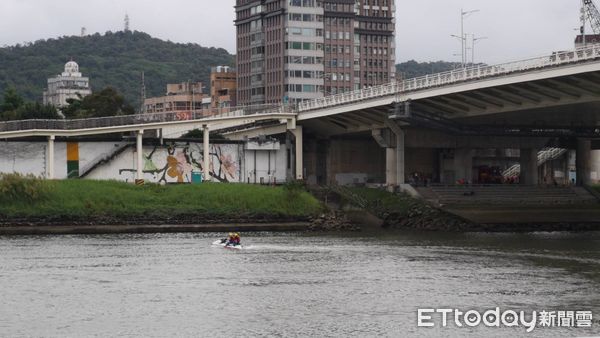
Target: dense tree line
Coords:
[(107, 102), (14, 107), (111, 60)]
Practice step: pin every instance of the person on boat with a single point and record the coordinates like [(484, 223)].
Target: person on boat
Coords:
[(236, 239), (229, 239)]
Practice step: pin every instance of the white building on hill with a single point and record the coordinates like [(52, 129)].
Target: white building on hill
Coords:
[(66, 86)]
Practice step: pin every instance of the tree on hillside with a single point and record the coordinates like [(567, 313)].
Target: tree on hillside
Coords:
[(107, 102), (12, 101)]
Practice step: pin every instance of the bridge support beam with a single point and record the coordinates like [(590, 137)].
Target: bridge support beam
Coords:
[(529, 166), (206, 153), (391, 173), (583, 162), (463, 165), (299, 160), (386, 140), (50, 158), (400, 175), (399, 153), (140, 155)]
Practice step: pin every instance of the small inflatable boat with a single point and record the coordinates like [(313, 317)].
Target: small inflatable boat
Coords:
[(224, 244)]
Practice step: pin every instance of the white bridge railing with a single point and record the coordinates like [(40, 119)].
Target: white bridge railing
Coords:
[(590, 52), (141, 119)]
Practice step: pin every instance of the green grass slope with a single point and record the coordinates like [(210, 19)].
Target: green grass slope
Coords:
[(86, 198)]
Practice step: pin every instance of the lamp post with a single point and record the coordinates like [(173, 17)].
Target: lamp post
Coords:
[(462, 49), (462, 37), (473, 42)]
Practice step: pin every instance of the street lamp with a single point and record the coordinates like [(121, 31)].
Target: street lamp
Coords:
[(474, 41), (462, 48), (462, 37)]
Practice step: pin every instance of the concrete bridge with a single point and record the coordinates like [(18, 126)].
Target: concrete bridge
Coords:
[(440, 120), (429, 124)]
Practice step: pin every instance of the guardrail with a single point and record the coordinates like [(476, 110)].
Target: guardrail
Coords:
[(543, 156), (140, 119), (590, 52)]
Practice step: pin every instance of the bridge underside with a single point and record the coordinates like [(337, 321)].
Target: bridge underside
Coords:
[(471, 135)]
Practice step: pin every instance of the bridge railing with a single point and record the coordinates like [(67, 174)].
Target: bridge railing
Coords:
[(581, 54), (139, 119)]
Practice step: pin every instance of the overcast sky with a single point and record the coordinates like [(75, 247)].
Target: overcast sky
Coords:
[(515, 29)]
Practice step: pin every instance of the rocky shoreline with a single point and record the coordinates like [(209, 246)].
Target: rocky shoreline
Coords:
[(148, 220), (334, 221), (419, 216)]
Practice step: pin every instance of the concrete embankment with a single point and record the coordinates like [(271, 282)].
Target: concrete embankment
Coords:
[(400, 211)]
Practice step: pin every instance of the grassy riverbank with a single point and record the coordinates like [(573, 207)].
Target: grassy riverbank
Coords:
[(86, 199)]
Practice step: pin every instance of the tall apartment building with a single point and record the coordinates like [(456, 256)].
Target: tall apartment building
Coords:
[(293, 50)]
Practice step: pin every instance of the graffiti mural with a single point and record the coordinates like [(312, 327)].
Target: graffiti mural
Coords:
[(175, 163)]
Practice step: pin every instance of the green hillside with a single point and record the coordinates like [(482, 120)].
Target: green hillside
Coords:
[(412, 68), (113, 59)]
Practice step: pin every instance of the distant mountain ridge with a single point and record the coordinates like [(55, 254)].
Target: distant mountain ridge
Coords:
[(113, 59)]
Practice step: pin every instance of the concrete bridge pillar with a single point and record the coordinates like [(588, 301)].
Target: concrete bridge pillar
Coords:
[(140, 155), (529, 166), (50, 158), (463, 165), (400, 175), (206, 153), (299, 159), (390, 167), (387, 138), (583, 162), (395, 156)]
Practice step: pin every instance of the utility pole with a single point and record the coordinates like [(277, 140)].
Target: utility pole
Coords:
[(143, 95), (192, 105), (126, 22)]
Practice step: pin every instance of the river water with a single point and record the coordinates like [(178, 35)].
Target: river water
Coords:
[(290, 284)]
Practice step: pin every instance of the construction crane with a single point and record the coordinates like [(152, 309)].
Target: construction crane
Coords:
[(589, 12)]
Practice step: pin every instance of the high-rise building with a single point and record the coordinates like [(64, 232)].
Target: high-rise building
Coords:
[(293, 50), (71, 84)]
